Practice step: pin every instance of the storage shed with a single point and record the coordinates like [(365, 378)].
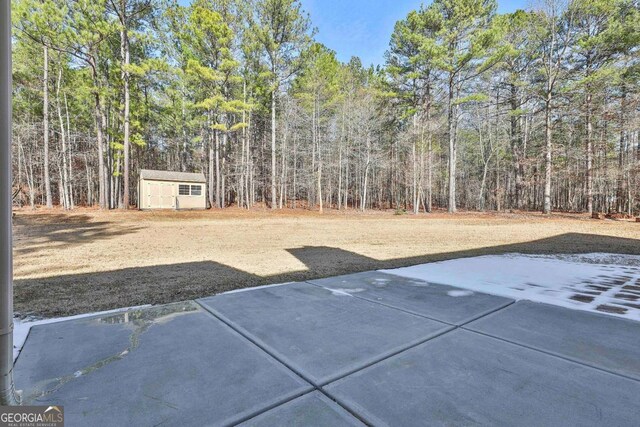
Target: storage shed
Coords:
[(171, 190)]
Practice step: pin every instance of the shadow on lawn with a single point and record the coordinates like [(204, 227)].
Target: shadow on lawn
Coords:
[(79, 293), (47, 231)]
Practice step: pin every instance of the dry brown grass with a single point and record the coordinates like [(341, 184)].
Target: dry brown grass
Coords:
[(88, 260)]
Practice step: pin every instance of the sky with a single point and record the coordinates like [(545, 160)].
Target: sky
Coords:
[(363, 27)]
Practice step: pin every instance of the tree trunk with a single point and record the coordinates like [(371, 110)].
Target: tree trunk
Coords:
[(283, 168), (340, 142), (295, 172), (414, 161), (273, 148), (249, 195), (100, 123), (429, 154), (320, 180), (516, 145), (212, 197), (64, 195), (241, 186), (184, 158), (124, 46), (216, 141), (89, 181), (365, 181), (316, 138), (45, 125), (223, 176), (108, 169), (589, 153), (547, 158), (70, 149), (621, 155), (452, 146)]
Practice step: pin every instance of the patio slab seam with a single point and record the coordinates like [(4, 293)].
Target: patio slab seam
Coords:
[(549, 353), (602, 315), (284, 400), (320, 384), (258, 343), (344, 373), (369, 391), (488, 313), (370, 420), (315, 387), (387, 305), (415, 313), (355, 414), (391, 353), (323, 383), (199, 323), (361, 410)]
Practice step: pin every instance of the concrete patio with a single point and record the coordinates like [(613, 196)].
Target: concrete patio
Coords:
[(368, 348)]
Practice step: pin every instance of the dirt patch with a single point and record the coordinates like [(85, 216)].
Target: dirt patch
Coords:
[(69, 263)]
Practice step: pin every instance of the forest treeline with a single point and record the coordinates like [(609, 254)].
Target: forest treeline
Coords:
[(535, 110)]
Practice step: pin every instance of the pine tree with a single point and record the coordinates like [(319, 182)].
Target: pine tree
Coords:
[(282, 30)]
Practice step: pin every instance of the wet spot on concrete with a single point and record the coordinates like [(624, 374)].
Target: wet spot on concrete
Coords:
[(611, 309), (628, 297), (582, 298)]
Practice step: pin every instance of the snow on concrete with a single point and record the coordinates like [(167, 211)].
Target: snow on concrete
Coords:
[(236, 291), (599, 258), (344, 292), (21, 327), (459, 293), (598, 282)]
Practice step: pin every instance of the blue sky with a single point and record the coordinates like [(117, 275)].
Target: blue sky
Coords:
[(363, 27)]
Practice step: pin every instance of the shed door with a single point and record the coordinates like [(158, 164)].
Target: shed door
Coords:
[(160, 195)]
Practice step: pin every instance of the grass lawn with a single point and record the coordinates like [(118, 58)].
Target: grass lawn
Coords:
[(70, 263)]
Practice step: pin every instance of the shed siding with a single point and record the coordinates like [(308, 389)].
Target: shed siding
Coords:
[(154, 194)]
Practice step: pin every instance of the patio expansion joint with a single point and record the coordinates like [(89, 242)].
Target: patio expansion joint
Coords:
[(281, 402), (270, 407), (387, 356), (388, 306), (456, 325), (486, 314), (452, 328), (255, 342), (345, 407), (549, 353), (319, 390), (317, 386), (320, 385), (341, 375)]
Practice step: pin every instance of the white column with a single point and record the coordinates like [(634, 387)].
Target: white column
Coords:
[(7, 391)]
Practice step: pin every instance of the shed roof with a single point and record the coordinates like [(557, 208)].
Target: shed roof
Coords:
[(172, 176)]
